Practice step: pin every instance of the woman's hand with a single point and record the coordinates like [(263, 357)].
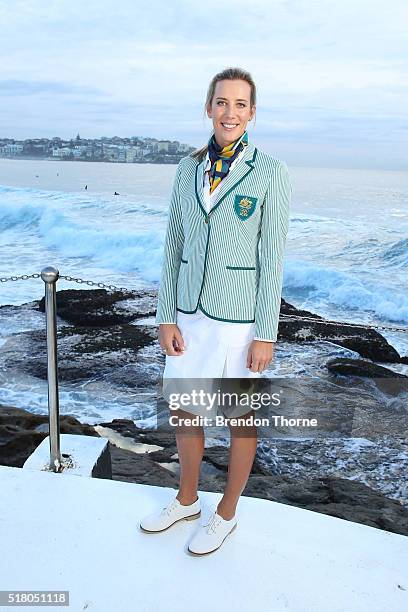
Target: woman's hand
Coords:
[(170, 339), (260, 355)]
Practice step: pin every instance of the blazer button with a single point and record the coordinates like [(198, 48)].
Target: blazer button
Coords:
[(206, 220)]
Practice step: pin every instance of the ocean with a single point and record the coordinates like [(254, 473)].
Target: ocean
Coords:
[(346, 257)]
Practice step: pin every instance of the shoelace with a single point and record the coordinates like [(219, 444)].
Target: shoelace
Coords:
[(169, 509), (213, 524)]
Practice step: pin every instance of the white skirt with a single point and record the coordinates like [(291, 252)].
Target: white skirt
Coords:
[(213, 349)]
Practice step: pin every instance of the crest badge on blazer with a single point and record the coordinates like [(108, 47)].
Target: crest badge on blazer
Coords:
[(244, 206)]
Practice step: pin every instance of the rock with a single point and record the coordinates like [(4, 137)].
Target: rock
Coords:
[(128, 428), (103, 335), (346, 499), (367, 342), (139, 468), (21, 432), (100, 308), (219, 457), (360, 367), (99, 340), (83, 352), (165, 455)]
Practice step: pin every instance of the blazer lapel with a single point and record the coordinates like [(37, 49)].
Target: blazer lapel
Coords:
[(199, 189), (244, 167)]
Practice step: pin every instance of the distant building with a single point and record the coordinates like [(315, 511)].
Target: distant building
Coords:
[(62, 152), (173, 147), (112, 149), (184, 148), (163, 145), (11, 150), (130, 155)]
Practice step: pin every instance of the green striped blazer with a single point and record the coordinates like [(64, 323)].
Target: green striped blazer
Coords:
[(228, 262)]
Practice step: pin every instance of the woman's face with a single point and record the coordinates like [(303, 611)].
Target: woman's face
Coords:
[(230, 110)]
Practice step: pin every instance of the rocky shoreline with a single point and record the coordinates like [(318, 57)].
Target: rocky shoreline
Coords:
[(21, 432), (108, 336)]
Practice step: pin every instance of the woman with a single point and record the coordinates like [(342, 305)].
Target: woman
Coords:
[(220, 291)]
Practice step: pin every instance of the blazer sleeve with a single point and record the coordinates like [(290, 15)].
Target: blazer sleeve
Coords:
[(173, 250), (274, 229)]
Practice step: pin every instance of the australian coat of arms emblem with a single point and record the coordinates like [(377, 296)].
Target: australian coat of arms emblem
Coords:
[(244, 206)]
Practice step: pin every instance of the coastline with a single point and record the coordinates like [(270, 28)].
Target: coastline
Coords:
[(163, 160), (152, 460), (358, 476)]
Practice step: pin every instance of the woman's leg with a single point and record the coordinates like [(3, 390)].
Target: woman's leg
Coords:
[(190, 446), (241, 457)]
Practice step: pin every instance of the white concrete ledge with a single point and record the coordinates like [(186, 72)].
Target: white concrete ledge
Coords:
[(81, 456), (82, 535)]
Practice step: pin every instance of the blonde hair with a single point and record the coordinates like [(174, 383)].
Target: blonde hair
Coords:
[(230, 74)]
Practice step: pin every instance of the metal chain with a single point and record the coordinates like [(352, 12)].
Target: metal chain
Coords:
[(23, 277), (281, 318), (358, 325), (68, 278), (89, 282)]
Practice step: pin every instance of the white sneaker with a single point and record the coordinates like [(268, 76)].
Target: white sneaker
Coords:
[(159, 521), (211, 534)]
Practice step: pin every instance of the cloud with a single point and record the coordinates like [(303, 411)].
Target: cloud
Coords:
[(325, 71)]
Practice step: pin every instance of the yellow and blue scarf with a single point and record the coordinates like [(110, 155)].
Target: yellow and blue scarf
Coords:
[(222, 157)]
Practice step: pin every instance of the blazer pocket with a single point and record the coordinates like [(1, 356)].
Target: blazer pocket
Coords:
[(240, 267), (184, 260)]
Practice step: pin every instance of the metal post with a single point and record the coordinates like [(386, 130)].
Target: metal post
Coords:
[(50, 276)]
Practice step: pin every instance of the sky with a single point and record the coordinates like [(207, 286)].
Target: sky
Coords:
[(331, 76)]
